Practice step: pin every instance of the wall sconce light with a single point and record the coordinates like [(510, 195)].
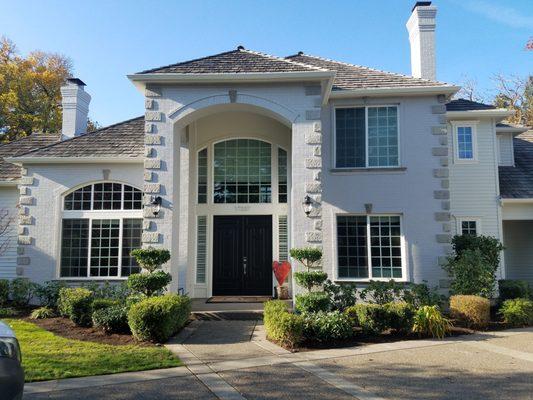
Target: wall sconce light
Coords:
[(307, 204), (156, 202)]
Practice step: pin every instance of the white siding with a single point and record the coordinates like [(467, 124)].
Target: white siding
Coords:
[(8, 260), (505, 150), (474, 186), (518, 241)]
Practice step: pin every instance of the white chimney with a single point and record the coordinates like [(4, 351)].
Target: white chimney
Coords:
[(421, 27), (75, 102)]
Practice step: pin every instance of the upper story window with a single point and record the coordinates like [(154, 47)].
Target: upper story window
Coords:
[(465, 142), (366, 137), (242, 171), (104, 196), (102, 223)]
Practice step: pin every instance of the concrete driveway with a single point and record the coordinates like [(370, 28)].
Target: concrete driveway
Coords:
[(232, 360)]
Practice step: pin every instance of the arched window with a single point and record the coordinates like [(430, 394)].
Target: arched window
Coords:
[(102, 223), (242, 171)]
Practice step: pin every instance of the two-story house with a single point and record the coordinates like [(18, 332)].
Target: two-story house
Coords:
[(241, 155)]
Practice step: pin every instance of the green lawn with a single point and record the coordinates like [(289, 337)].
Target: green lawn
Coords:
[(47, 356)]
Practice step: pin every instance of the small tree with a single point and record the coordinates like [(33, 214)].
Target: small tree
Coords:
[(308, 256), (473, 266), (151, 282)]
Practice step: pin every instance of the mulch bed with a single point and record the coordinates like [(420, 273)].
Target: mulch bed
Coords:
[(66, 328)]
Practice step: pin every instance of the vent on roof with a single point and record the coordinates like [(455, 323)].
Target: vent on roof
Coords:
[(421, 4), (300, 53), (240, 48)]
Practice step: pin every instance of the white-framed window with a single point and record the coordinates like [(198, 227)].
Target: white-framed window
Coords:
[(465, 138), (367, 137), (369, 247), (101, 224), (469, 226)]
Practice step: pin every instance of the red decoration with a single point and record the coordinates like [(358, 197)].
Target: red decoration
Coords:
[(281, 270)]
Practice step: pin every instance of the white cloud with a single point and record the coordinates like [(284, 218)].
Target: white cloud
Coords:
[(499, 13)]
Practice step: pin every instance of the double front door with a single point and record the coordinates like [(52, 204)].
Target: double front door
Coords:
[(242, 255)]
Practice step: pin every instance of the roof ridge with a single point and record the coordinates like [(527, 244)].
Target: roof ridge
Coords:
[(284, 60), (365, 67), (188, 61), (80, 136)]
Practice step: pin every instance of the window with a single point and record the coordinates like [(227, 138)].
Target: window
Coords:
[(102, 223), (202, 176), (201, 249), (465, 142), (359, 236), (282, 176), (242, 171), (469, 227), (366, 137)]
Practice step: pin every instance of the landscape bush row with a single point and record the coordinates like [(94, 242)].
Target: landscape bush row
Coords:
[(327, 311)]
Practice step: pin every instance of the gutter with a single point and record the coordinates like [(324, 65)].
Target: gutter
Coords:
[(511, 129), (523, 200), (9, 183), (74, 160), (495, 113), (396, 91)]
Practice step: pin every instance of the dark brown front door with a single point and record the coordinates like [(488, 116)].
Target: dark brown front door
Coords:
[(242, 255)]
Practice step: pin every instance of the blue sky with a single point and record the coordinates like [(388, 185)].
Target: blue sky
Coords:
[(108, 39)]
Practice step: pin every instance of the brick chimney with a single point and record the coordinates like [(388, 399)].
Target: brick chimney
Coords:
[(75, 102), (421, 28)]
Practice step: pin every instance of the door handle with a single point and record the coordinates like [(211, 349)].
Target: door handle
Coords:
[(244, 262)]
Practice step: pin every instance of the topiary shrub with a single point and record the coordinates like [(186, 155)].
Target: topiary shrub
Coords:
[(48, 293), (399, 316), (150, 284), (4, 291), (309, 280), (341, 296), (517, 312), (150, 258), (307, 256), (280, 325), (312, 302), (372, 318), (157, 318), (76, 304), (112, 319), (474, 265), (429, 321), (43, 313), (472, 310), (326, 326), (513, 289), (22, 291), (99, 304)]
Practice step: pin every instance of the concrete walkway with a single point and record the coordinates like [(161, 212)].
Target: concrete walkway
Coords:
[(233, 360)]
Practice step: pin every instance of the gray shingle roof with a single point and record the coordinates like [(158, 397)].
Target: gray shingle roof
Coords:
[(235, 61), (467, 105), (517, 181), (124, 139), (11, 172), (351, 76)]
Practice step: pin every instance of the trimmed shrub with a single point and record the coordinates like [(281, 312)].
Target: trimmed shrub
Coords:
[(281, 326), (43, 313), (312, 302), (517, 312), (99, 304), (149, 284), (381, 292), (112, 319), (307, 256), (341, 296), (48, 293), (150, 258), (472, 310), (429, 321), (326, 326), (399, 316), (157, 318), (513, 289), (309, 280), (76, 304), (22, 291), (372, 318), (4, 291)]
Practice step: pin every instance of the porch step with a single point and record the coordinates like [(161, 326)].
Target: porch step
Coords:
[(248, 315)]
